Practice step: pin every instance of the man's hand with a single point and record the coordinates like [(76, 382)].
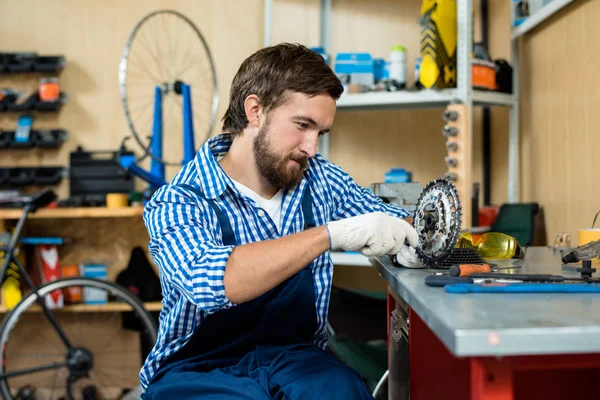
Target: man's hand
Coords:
[(373, 234)]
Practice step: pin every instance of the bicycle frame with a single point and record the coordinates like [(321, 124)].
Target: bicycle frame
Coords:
[(9, 257)]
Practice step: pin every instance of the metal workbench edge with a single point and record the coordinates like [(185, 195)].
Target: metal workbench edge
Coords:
[(484, 342)]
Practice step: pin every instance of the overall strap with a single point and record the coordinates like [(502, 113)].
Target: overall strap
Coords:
[(307, 210), (226, 230)]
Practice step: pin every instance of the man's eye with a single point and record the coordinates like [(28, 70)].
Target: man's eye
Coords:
[(302, 125), (322, 133)]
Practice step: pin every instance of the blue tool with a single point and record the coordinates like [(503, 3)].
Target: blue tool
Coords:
[(523, 288), (44, 240), (156, 176)]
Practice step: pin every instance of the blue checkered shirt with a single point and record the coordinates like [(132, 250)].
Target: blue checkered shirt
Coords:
[(186, 243)]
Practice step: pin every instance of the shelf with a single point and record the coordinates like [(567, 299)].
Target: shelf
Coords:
[(538, 17), (418, 99), (488, 98), (82, 212), (110, 307), (21, 63), (40, 138), (354, 259), (33, 103)]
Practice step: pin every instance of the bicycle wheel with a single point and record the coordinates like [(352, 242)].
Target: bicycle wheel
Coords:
[(108, 343), (166, 47)]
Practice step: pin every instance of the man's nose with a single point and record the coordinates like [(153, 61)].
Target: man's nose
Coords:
[(309, 143)]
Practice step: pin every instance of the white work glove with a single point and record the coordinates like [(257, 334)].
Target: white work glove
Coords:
[(407, 257), (373, 234)]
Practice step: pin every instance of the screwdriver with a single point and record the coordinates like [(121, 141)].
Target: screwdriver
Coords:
[(464, 270)]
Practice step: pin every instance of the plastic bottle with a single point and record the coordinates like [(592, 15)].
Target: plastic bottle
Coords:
[(398, 65)]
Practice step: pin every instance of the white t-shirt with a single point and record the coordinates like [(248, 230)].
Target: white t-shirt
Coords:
[(270, 206)]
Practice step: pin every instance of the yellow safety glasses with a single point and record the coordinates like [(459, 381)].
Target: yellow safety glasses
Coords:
[(492, 245)]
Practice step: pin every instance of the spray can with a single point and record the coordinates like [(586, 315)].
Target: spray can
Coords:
[(398, 65)]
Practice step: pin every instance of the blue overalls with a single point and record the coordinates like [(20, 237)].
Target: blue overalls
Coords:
[(259, 349)]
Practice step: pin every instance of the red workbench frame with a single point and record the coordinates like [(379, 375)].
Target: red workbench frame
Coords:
[(435, 373)]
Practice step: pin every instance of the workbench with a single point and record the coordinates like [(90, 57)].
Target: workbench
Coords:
[(494, 346)]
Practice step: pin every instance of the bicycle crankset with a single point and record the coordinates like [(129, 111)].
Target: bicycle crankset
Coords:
[(437, 220)]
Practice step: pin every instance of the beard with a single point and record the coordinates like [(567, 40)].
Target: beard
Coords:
[(274, 168)]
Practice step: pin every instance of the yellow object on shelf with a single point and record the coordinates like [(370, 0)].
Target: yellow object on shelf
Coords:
[(438, 44), (11, 288), (491, 245), (117, 200)]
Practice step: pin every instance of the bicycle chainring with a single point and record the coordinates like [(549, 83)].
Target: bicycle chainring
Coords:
[(437, 220)]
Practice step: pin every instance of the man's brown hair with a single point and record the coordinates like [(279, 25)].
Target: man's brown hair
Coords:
[(270, 73)]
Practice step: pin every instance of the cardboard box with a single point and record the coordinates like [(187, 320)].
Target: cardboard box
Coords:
[(93, 295)]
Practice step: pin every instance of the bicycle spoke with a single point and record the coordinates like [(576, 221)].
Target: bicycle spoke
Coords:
[(117, 380), (22, 356), (32, 370), (168, 65)]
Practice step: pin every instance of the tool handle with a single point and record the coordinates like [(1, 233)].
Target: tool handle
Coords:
[(443, 280), (521, 277), (465, 270), (523, 288)]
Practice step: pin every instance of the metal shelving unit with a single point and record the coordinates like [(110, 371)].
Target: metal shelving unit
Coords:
[(433, 98), (464, 93), (538, 17), (418, 99)]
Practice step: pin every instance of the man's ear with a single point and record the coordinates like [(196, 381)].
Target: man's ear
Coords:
[(253, 110)]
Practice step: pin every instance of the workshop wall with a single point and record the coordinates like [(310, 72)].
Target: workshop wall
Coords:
[(92, 36), (558, 100), (560, 118)]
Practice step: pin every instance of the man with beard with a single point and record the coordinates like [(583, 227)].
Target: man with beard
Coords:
[(242, 237)]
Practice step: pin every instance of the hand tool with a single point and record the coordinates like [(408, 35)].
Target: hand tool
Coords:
[(443, 280), (464, 270), (584, 252), (530, 277), (522, 288)]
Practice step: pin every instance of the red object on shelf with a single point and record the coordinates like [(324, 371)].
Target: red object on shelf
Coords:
[(488, 215), (49, 270)]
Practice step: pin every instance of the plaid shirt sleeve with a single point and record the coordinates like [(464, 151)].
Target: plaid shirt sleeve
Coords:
[(186, 245), (350, 200)]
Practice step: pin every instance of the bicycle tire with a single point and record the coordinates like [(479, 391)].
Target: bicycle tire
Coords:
[(13, 316)]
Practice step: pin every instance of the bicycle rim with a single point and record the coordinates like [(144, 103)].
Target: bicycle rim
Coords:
[(112, 333)]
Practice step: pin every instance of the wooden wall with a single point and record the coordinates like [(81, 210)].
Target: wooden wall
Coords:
[(92, 35), (558, 98), (560, 118)]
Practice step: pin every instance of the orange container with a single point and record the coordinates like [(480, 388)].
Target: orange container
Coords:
[(483, 74), (73, 293), (49, 89)]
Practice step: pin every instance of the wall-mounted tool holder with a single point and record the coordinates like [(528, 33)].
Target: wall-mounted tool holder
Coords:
[(25, 176), (458, 159), (24, 62), (32, 103), (41, 138), (3, 176)]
